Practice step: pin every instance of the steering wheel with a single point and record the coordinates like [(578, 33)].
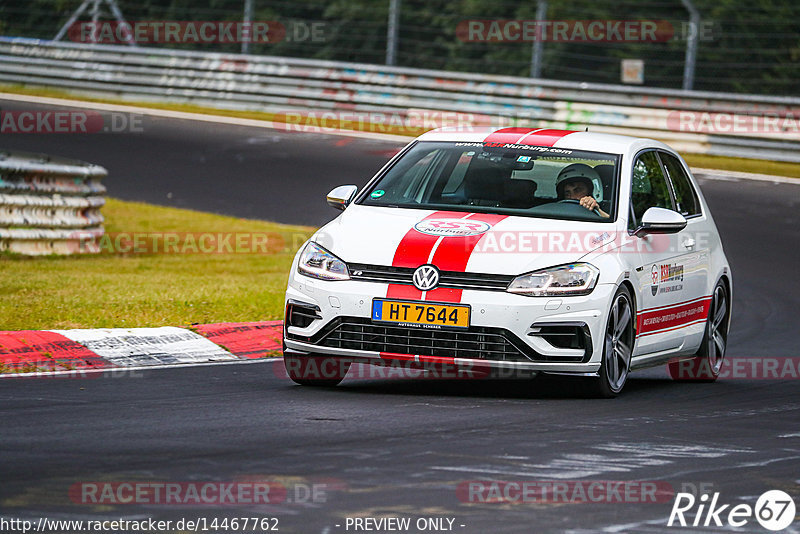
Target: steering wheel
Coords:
[(596, 211)]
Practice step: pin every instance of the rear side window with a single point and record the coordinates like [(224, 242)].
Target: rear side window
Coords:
[(686, 202), (649, 186)]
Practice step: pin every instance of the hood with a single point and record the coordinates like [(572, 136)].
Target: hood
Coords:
[(459, 241)]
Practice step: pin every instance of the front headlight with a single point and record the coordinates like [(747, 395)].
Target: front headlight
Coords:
[(567, 280), (317, 262)]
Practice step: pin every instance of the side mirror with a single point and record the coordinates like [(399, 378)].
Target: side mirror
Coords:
[(660, 221), (341, 196)]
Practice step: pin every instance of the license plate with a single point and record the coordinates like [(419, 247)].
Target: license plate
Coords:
[(421, 314)]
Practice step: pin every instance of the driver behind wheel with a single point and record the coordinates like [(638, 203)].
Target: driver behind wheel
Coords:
[(576, 182)]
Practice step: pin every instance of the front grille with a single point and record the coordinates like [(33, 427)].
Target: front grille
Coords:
[(454, 279), (476, 343)]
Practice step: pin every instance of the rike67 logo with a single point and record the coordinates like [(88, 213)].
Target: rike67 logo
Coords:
[(774, 510)]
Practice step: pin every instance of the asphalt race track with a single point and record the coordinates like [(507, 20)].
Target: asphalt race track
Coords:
[(393, 447), (248, 172)]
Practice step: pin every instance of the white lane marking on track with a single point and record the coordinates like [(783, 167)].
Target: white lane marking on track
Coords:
[(623, 458), (669, 451)]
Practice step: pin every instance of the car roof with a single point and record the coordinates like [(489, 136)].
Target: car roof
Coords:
[(569, 139)]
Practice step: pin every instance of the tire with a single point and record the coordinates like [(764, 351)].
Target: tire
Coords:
[(316, 370), (707, 362), (618, 339)]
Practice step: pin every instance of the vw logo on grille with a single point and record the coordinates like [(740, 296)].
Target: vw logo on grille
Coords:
[(426, 277)]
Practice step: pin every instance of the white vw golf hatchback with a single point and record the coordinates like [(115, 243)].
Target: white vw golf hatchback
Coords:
[(537, 251)]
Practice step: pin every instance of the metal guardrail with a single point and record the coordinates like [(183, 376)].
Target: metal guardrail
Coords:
[(49, 205), (280, 85)]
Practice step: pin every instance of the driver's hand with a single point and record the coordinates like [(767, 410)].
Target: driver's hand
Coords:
[(589, 203)]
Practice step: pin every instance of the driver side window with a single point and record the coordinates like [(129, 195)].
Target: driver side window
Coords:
[(648, 187)]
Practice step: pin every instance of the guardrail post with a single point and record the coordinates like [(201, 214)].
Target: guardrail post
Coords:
[(691, 45), (247, 19), (536, 56), (391, 32)]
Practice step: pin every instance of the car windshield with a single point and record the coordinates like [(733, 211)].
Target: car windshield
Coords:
[(523, 180)]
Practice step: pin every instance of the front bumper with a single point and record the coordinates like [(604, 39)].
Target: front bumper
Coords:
[(501, 324)]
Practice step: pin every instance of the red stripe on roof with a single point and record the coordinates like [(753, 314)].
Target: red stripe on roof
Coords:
[(508, 135), (544, 137)]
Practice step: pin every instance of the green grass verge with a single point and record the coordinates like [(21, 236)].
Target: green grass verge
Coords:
[(757, 166), (136, 288), (775, 168)]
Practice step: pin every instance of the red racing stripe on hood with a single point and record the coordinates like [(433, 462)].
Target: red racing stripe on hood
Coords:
[(413, 251), (453, 254)]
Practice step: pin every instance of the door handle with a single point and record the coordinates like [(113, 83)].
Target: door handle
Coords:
[(689, 243)]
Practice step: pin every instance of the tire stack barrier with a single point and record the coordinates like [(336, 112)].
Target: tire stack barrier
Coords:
[(50, 205)]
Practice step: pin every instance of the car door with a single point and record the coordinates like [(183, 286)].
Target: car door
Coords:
[(667, 271), (693, 244)]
